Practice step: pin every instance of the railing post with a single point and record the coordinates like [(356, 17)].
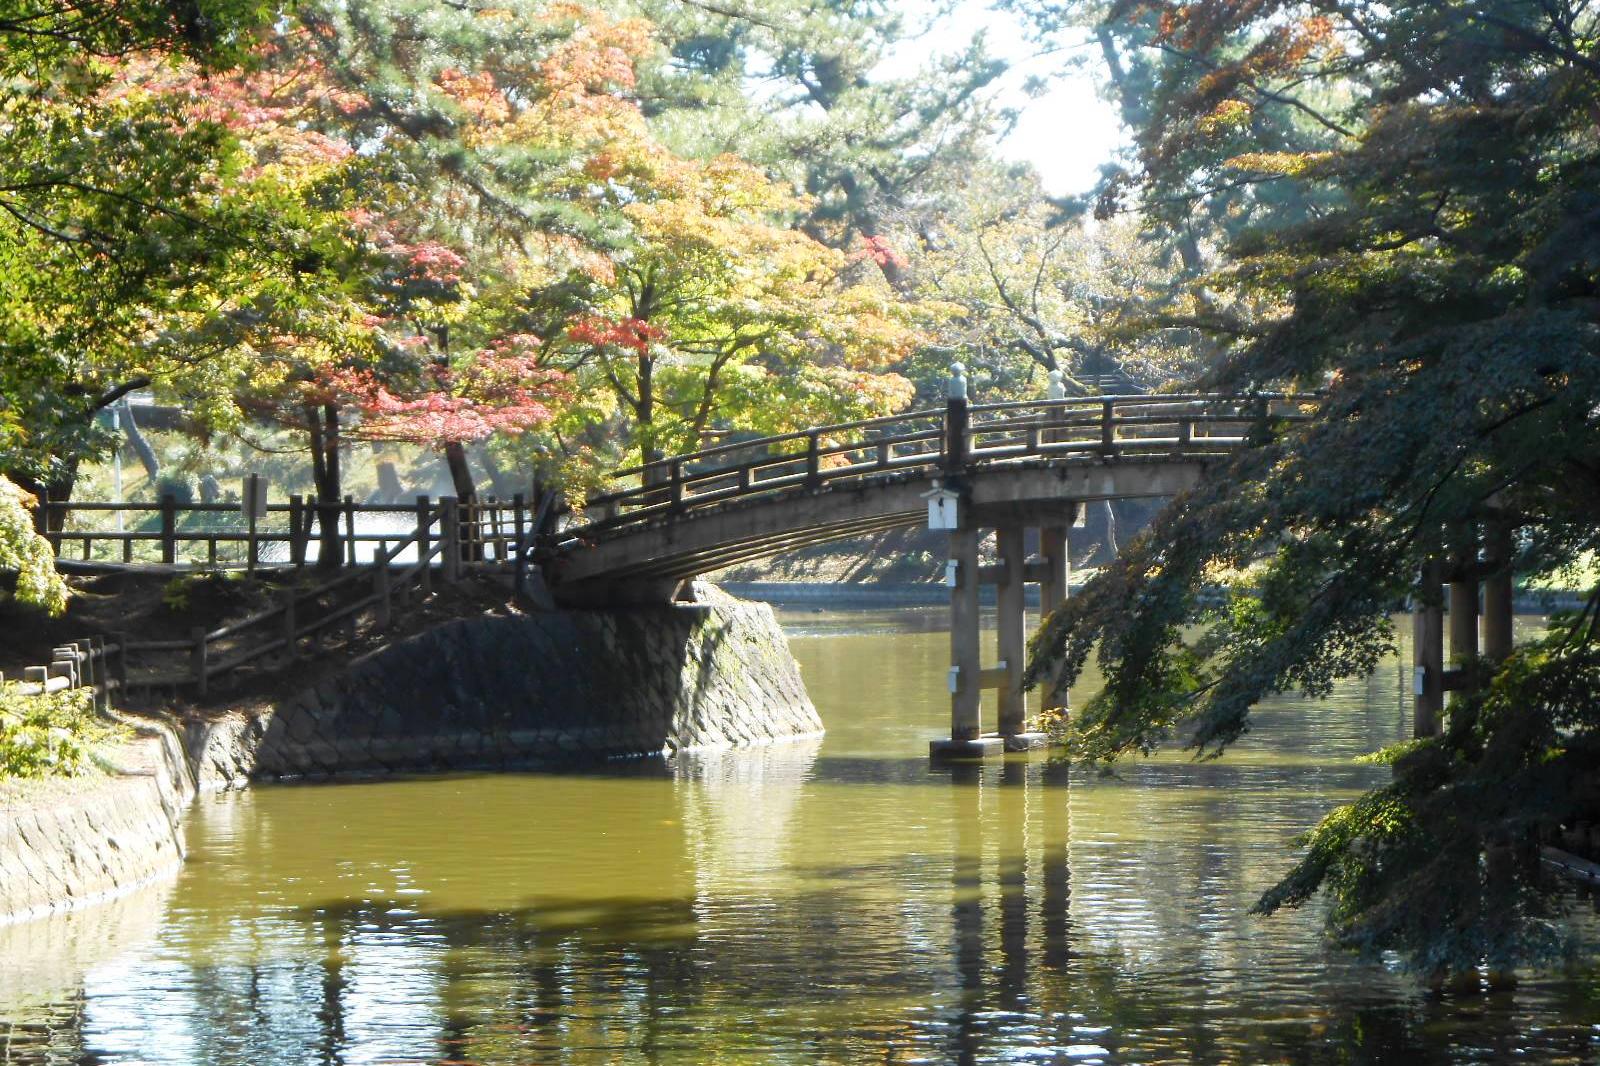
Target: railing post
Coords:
[(122, 664), (169, 528), (53, 535), (350, 530), (291, 639), (450, 532), (813, 460), (675, 479), (197, 660), (424, 545), (380, 585), (1108, 428), (955, 420), (297, 540), (518, 505)]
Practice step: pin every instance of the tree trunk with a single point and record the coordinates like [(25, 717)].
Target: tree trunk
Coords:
[(323, 425), (57, 490), (141, 447), (390, 490), (455, 457)]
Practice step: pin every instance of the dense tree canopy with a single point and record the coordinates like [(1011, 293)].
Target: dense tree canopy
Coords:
[(1415, 185)]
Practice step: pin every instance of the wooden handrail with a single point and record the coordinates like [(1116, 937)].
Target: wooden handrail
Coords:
[(779, 438), (1034, 428)]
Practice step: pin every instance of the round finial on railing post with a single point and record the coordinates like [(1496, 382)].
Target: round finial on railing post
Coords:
[(955, 421), (1057, 387), (956, 387)]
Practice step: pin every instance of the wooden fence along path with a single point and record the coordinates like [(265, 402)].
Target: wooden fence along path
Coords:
[(89, 663), (307, 616), (164, 531)]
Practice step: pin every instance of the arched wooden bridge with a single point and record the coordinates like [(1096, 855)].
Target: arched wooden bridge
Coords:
[(689, 514), (1000, 466)]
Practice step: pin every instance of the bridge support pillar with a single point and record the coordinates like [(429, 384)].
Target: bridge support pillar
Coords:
[(966, 673), (1052, 594), (1497, 590), (1011, 627), (1427, 652), (1464, 597)]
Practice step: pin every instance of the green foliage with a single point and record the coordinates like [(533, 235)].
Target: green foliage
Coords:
[(50, 735), (207, 591), (1445, 292), (29, 554), (1443, 864)]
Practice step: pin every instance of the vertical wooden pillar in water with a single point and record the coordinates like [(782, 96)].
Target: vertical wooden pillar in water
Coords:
[(1010, 626), (1053, 593), (966, 673), (1497, 590), (1463, 595), (966, 689), (1427, 652)]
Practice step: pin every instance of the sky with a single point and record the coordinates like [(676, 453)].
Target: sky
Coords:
[(1066, 133)]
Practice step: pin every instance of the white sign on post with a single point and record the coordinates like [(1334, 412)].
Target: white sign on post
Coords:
[(944, 509)]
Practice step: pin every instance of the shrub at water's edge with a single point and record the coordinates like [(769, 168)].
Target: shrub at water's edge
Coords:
[(48, 735)]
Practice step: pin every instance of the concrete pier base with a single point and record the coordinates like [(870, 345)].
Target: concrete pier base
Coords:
[(975, 748), (1027, 741)]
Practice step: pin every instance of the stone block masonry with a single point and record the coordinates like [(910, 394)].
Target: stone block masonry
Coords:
[(68, 843), (527, 690)]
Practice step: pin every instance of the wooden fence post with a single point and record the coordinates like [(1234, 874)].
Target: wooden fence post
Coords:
[(297, 541), (350, 530), (1108, 428), (122, 664), (424, 521), (813, 461), (169, 528), (380, 585), (450, 532), (197, 660), (291, 641), (518, 504)]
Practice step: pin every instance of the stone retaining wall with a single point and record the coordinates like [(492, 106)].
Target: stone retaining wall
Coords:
[(66, 844), (565, 686)]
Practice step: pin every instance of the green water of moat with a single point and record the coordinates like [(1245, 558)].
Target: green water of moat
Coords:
[(833, 901)]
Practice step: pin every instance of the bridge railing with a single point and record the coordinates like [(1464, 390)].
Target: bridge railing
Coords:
[(941, 439)]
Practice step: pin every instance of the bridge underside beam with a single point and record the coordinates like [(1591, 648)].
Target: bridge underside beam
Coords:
[(677, 568)]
